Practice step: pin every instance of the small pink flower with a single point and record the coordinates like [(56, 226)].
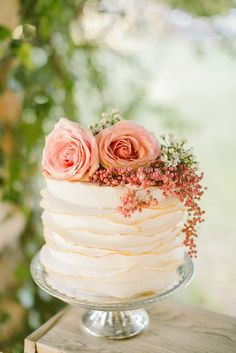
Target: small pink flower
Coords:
[(126, 144), (70, 152)]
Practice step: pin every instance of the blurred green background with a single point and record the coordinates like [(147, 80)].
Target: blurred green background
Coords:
[(169, 65)]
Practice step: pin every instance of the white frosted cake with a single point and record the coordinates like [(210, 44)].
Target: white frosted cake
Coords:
[(90, 248), (96, 247)]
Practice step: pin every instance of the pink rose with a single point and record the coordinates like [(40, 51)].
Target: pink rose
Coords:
[(126, 144), (70, 152)]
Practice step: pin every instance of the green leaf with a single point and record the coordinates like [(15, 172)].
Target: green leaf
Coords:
[(4, 33), (4, 317), (205, 8)]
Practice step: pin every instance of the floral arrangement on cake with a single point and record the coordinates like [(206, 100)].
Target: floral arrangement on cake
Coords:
[(116, 152)]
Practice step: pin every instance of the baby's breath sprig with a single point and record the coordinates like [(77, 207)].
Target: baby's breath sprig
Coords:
[(175, 151), (107, 120)]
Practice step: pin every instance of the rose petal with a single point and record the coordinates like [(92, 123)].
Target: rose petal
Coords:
[(127, 144), (70, 152)]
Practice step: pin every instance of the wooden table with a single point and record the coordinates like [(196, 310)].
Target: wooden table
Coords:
[(173, 328)]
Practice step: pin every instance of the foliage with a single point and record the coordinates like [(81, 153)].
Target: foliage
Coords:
[(37, 61), (204, 8)]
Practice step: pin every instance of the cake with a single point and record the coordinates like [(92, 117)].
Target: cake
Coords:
[(115, 207)]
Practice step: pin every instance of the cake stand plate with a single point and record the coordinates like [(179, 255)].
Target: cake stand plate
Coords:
[(109, 317)]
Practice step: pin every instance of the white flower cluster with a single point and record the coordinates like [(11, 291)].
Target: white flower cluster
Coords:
[(174, 151), (107, 120)]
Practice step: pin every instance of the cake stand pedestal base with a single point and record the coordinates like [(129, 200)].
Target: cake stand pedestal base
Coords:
[(115, 324)]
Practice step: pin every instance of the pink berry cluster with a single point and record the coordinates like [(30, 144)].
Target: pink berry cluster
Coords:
[(131, 203), (183, 181)]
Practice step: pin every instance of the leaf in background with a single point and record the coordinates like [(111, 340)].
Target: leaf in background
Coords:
[(5, 33), (4, 317)]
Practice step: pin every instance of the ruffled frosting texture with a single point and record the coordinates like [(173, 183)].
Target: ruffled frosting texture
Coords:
[(91, 249)]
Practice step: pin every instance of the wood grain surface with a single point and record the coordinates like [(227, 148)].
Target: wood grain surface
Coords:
[(173, 328)]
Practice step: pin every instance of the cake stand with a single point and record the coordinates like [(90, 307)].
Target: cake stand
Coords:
[(111, 318)]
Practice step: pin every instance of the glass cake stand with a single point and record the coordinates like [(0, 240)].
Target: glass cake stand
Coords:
[(110, 318)]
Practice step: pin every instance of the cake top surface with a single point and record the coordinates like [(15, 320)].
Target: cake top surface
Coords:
[(121, 153)]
